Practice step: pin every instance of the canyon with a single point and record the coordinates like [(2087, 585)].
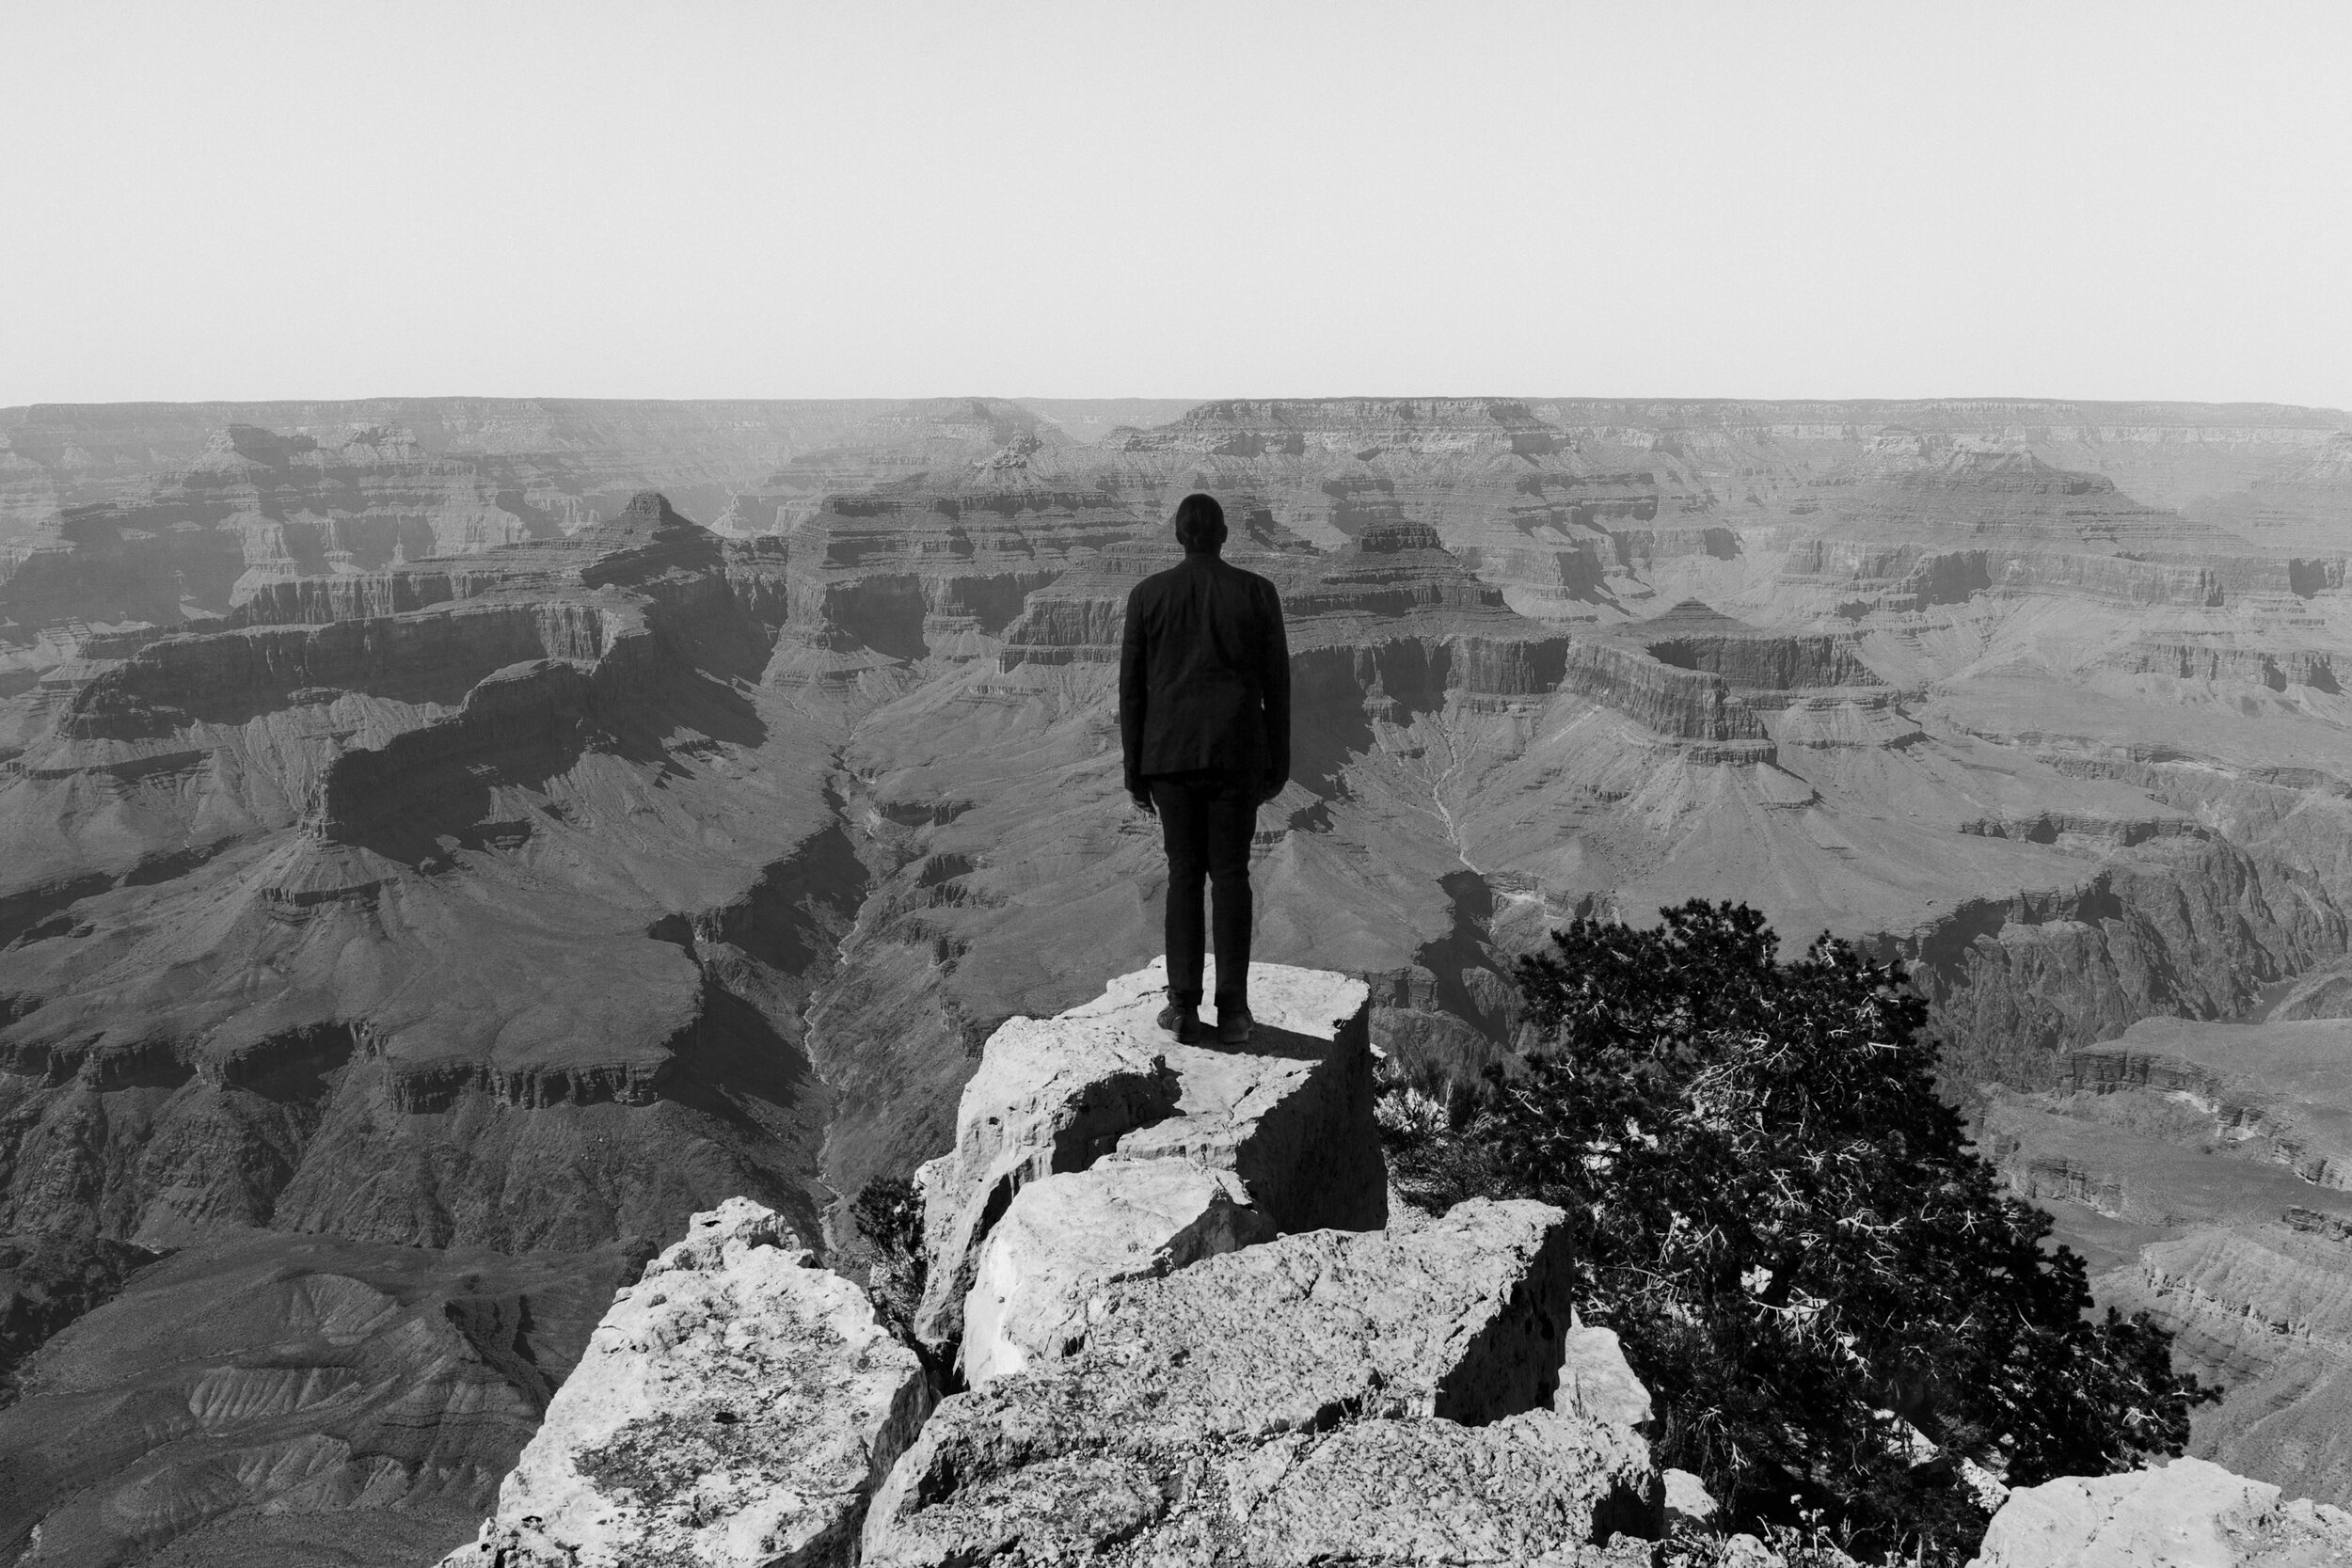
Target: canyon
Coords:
[(447, 843)]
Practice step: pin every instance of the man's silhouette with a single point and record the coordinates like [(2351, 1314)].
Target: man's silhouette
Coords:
[(1205, 720)]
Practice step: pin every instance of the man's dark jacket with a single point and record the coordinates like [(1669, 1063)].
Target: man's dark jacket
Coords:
[(1204, 675)]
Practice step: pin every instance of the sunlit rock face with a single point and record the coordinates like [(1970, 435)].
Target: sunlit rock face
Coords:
[(1092, 1147), (2186, 1511), (736, 1407), (537, 896), (1289, 1402), (1154, 1372)]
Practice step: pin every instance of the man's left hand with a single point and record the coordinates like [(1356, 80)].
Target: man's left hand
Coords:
[(1142, 798)]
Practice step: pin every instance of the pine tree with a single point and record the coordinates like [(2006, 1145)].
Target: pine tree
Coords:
[(1829, 1296)]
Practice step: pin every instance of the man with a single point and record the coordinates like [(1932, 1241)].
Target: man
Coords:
[(1204, 720)]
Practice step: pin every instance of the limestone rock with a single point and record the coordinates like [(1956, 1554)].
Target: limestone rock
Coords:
[(1437, 1491), (1531, 1489), (1050, 1095), (2189, 1514), (1687, 1498), (1260, 1405), (736, 1406), (1746, 1551), (1290, 1114), (1066, 1237), (1596, 1382)]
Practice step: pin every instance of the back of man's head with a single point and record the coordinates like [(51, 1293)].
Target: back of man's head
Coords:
[(1199, 524)]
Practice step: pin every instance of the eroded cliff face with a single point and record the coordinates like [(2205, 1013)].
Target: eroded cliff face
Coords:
[(2187, 1511), (2205, 1169), (469, 925), (579, 459), (257, 507)]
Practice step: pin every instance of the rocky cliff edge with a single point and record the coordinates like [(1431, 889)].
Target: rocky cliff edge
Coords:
[(1189, 1333), (1186, 1336)]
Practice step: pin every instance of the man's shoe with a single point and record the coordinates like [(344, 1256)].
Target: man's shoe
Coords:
[(1232, 1026), (1182, 1019)]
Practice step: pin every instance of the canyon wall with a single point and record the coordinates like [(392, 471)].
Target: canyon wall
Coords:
[(434, 887)]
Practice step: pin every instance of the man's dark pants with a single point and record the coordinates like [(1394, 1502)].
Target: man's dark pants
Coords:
[(1205, 821)]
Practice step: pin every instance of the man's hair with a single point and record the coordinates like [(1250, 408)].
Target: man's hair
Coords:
[(1200, 523)]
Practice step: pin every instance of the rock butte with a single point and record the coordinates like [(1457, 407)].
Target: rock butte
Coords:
[(461, 923)]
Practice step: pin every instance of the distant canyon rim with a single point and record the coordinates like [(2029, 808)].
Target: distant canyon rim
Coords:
[(445, 843)]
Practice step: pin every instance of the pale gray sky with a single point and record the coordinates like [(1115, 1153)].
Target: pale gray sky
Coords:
[(211, 198)]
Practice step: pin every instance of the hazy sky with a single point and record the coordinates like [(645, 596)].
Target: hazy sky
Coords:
[(208, 199)]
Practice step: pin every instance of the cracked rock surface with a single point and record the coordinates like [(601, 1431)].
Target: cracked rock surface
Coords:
[(1385, 1394), (1288, 1115), (734, 1408), (2190, 1514)]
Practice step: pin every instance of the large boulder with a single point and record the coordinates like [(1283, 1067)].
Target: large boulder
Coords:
[(2189, 1514), (1688, 1500), (1066, 1238), (1050, 1095), (1387, 1392), (1288, 1113), (1598, 1384), (1291, 1112), (736, 1406)]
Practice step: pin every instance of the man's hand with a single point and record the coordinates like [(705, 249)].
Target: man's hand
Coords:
[(1142, 798)]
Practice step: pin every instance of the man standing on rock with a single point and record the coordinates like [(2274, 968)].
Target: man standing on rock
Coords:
[(1204, 720)]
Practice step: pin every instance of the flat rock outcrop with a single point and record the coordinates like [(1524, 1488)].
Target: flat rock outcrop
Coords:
[(735, 1407), (2185, 1514), (1289, 1116), (1328, 1391)]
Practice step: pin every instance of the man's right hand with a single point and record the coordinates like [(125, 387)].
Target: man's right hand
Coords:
[(1142, 798)]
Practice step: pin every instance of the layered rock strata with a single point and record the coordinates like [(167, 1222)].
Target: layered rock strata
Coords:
[(262, 507), (247, 1398), (2204, 1170), (935, 439), (428, 929), (577, 459), (650, 924)]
